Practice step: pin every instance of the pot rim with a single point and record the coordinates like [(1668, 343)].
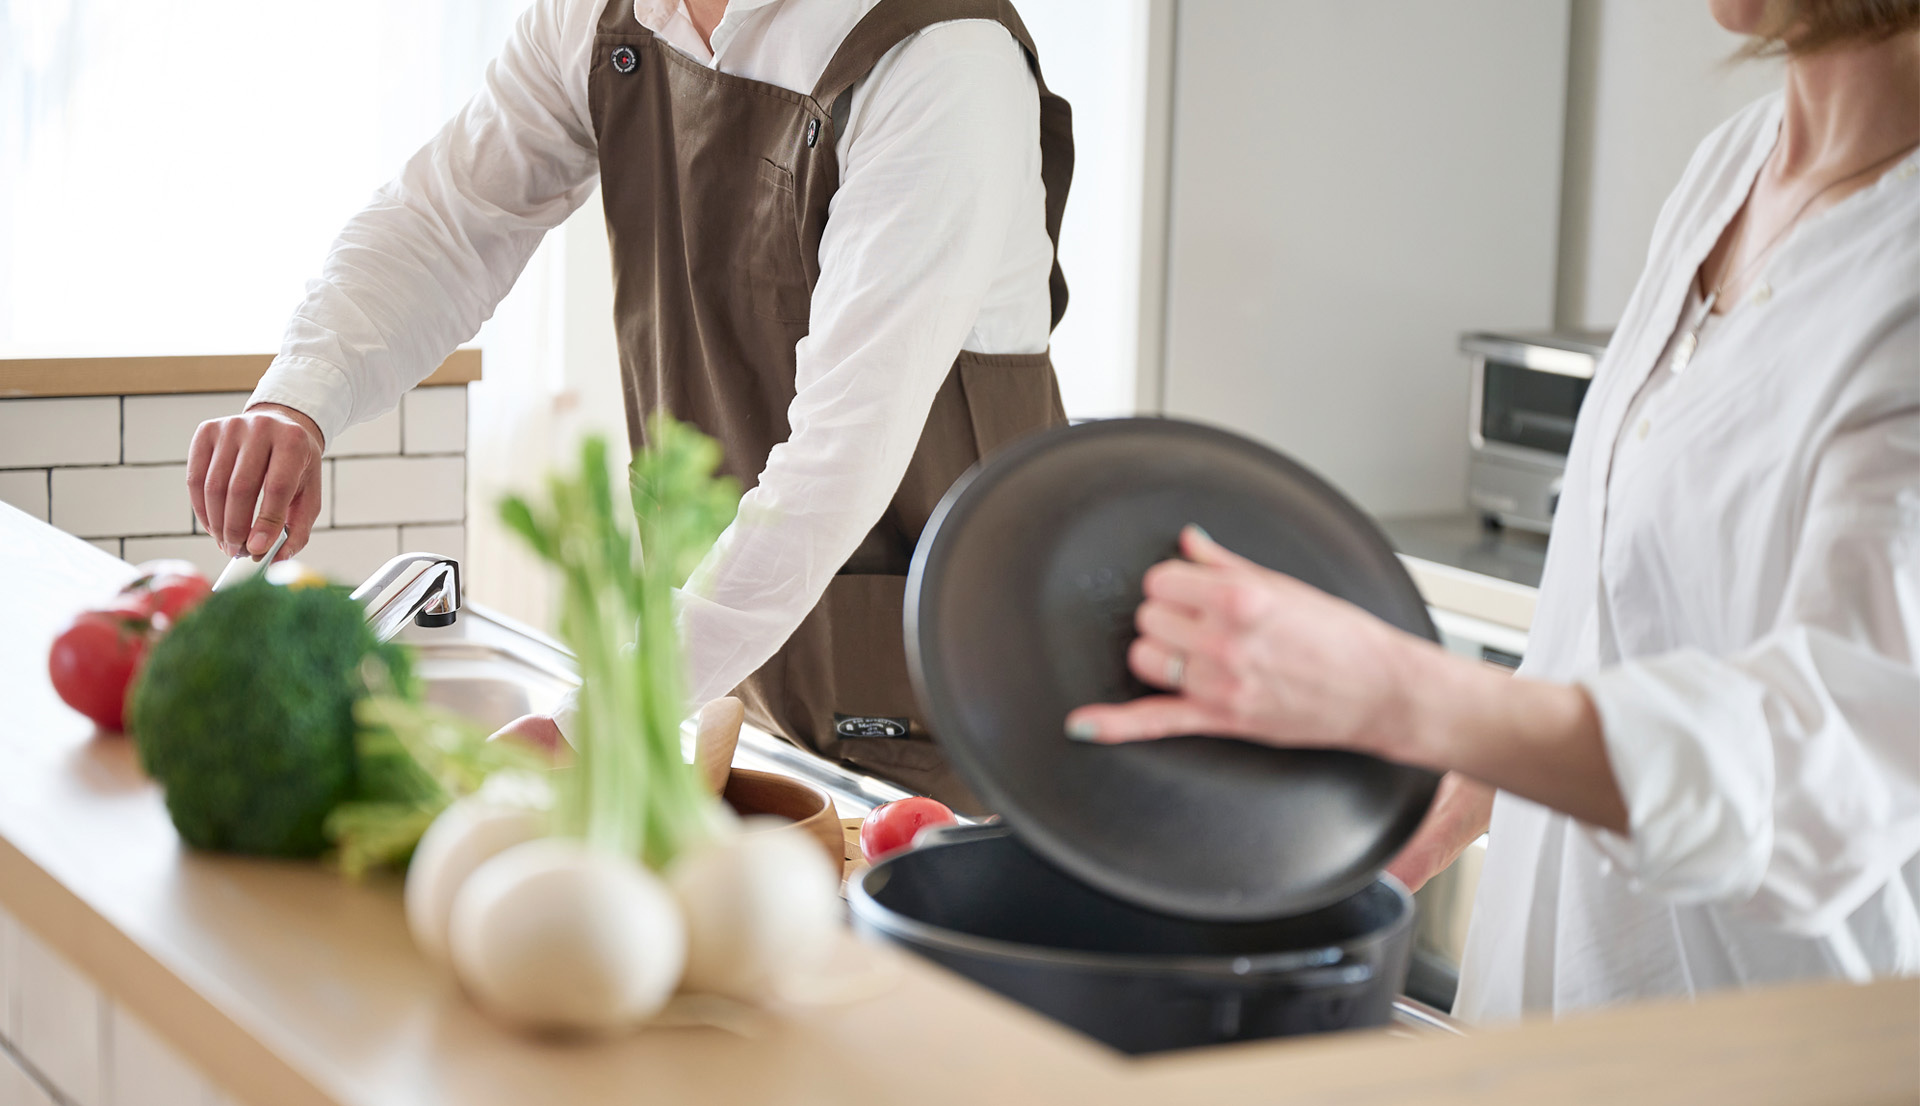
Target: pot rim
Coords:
[(869, 910)]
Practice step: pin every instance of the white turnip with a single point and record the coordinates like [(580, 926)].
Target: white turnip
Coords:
[(557, 937), (464, 836), (762, 908)]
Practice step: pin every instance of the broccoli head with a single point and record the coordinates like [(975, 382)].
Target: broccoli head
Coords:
[(244, 714)]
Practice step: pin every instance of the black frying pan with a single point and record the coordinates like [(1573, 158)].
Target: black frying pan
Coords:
[(1019, 608)]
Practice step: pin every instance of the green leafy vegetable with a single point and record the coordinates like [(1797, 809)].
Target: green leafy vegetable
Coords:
[(630, 791), (414, 761)]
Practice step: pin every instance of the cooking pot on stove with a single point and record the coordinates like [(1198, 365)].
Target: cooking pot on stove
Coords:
[(1161, 894), (975, 900)]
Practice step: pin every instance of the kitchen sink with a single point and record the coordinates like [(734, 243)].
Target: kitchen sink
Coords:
[(491, 669)]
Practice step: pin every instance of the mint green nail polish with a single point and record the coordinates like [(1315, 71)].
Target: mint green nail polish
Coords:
[(1200, 530), (1082, 731)]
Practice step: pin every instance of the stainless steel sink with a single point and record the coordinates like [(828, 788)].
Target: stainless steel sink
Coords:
[(492, 670)]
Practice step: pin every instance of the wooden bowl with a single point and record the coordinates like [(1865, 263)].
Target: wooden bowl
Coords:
[(749, 792)]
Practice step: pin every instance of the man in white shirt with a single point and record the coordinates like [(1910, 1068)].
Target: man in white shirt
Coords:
[(833, 227)]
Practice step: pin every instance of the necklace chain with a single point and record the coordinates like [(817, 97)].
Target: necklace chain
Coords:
[(1690, 341), (1727, 277)]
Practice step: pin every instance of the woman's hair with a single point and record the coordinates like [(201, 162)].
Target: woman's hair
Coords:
[(1809, 26)]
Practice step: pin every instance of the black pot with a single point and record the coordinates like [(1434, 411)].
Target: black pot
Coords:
[(977, 901)]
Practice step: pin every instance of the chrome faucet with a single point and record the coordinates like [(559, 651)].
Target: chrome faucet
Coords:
[(423, 588)]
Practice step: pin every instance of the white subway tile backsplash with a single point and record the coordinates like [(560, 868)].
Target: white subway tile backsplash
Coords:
[(160, 428), (129, 499), (146, 1071), (44, 432), (381, 435), (27, 490), (436, 420), (374, 491), (350, 556), (106, 545), (60, 1014), (17, 1088), (198, 548), (448, 541)]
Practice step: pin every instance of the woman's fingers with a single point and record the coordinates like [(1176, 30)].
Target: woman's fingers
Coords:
[(1199, 547), (1174, 626), (1145, 719)]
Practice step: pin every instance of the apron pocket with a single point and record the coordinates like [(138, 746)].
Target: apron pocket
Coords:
[(1009, 395), (776, 277)]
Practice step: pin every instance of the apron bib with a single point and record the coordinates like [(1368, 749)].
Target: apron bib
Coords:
[(716, 191)]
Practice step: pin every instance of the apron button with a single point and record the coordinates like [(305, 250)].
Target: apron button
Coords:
[(624, 59)]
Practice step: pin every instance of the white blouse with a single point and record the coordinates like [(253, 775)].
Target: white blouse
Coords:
[(1734, 575)]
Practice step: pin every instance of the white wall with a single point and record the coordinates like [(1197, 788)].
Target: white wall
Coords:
[(1647, 80), (1095, 53), (1353, 185)]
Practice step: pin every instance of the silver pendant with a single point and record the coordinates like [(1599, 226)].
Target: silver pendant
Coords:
[(1689, 342)]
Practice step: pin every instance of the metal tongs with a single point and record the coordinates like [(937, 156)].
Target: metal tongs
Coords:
[(244, 568)]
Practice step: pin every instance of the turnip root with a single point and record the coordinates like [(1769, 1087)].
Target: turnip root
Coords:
[(761, 908), (554, 936), (464, 836)]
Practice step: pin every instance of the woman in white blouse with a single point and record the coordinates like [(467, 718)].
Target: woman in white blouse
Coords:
[(1709, 766)]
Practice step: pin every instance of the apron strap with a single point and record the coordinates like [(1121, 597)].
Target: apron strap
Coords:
[(890, 23)]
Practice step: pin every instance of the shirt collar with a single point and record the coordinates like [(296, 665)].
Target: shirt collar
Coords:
[(656, 13)]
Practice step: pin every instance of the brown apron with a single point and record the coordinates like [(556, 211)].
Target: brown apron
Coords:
[(716, 191)]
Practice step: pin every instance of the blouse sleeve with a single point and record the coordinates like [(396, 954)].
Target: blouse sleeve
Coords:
[(1787, 778)]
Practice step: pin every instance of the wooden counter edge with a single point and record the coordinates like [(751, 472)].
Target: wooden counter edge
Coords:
[(244, 1068), (48, 377)]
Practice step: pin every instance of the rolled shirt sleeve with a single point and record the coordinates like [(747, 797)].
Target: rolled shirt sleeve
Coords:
[(418, 270), (1786, 779)]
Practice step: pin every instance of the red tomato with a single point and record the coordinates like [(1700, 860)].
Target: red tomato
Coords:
[(166, 587), (94, 660), (891, 827)]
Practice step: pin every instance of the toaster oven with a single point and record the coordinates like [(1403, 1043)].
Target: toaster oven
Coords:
[(1524, 396)]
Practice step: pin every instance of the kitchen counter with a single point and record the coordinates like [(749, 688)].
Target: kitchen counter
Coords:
[(288, 986)]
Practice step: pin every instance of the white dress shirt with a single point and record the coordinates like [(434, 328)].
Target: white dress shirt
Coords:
[(1734, 575), (936, 242)]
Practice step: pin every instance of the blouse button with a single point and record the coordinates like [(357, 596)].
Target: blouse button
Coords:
[(1907, 170), (1646, 425), (1762, 292)]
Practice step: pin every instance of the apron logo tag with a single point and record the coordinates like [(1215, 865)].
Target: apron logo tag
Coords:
[(813, 132), (851, 725), (624, 59)]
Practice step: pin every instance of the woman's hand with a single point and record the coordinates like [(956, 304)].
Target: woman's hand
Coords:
[(1256, 654), (1459, 815), (1248, 652)]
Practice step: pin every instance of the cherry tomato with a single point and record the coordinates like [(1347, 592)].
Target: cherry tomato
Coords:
[(169, 588), (94, 660), (891, 827)]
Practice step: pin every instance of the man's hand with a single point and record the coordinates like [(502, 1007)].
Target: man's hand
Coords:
[(267, 456)]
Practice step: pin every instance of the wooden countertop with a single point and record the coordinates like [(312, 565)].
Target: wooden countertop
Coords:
[(117, 376), (291, 987)]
